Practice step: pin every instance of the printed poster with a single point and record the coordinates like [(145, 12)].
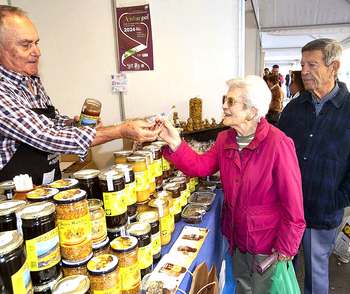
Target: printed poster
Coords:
[(135, 38)]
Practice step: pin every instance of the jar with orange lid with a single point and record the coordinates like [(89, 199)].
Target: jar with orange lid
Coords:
[(167, 195), (174, 188), (161, 206), (98, 220), (114, 199), (151, 171), (157, 163), (141, 176), (120, 156), (142, 206), (165, 163), (183, 188)]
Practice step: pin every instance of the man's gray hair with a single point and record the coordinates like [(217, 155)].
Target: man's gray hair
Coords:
[(6, 11)]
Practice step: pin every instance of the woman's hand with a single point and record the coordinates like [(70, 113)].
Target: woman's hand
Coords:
[(282, 257), (169, 134)]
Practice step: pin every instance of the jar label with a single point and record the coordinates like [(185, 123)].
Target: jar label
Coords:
[(166, 164), (115, 202), (88, 120), (130, 276), (142, 180), (99, 229), (158, 167), (177, 205), (43, 252), (156, 245), (115, 290), (74, 232), (188, 190), (183, 197), (153, 171), (192, 185), (21, 282), (164, 225), (145, 256), (130, 191), (171, 215)]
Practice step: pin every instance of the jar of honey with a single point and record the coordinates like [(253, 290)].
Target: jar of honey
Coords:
[(151, 172), (41, 195), (157, 163), (8, 210), (165, 163), (183, 188), (120, 156), (141, 176), (101, 247), (142, 206), (161, 206), (113, 233), (78, 284), (71, 268), (167, 195), (174, 188), (90, 113), (98, 220), (88, 181), (8, 188)]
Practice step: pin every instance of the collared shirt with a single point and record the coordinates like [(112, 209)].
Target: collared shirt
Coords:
[(18, 123), (329, 96)]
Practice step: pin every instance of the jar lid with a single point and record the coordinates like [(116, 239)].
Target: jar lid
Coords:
[(9, 206), (123, 166), (147, 216), (156, 203), (69, 263), (124, 244), (76, 284), (69, 196), (143, 202), (145, 153), (178, 179), (7, 185), (3, 198), (42, 194), (163, 195), (102, 264), (123, 153), (94, 204), (100, 245), (111, 174), (159, 143), (86, 174), (115, 230), (153, 148), (37, 210), (9, 241), (135, 158), (138, 229), (47, 285), (64, 184), (171, 186)]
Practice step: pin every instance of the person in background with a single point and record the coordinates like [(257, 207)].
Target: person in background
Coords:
[(266, 74), (318, 121), (275, 71), (288, 78), (262, 209), (296, 85), (275, 107), (32, 131)]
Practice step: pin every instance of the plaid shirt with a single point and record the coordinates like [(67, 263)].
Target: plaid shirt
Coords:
[(18, 123), (322, 143)]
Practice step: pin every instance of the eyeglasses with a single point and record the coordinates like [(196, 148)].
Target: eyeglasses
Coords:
[(230, 101)]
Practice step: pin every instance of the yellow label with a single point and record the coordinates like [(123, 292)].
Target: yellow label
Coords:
[(98, 230), (153, 173), (156, 245), (130, 191), (177, 205), (130, 276), (188, 191), (171, 215), (158, 167), (145, 256), (192, 185), (166, 164), (114, 202), (115, 290), (142, 180), (21, 282), (74, 232), (43, 252), (165, 226), (183, 196)]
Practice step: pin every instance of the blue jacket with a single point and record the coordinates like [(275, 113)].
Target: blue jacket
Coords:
[(323, 149)]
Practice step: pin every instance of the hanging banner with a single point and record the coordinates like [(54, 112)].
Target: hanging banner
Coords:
[(135, 38)]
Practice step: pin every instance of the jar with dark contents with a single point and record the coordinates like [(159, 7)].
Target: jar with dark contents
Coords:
[(157, 163), (168, 196), (120, 156), (151, 217), (88, 181), (141, 176), (165, 163), (192, 180), (114, 199), (46, 287), (151, 173), (73, 222), (14, 267), (142, 231), (64, 184), (161, 206), (98, 220), (101, 248), (130, 186), (174, 188), (8, 189), (78, 284), (142, 206), (183, 188), (113, 233), (90, 113), (41, 194), (8, 209), (71, 268), (40, 231), (126, 250), (104, 274)]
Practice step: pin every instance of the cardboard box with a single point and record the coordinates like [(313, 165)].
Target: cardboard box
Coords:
[(71, 163)]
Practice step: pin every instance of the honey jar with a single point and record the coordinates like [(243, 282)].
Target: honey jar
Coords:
[(88, 181), (8, 188), (64, 184), (90, 113), (165, 163), (174, 188), (101, 247), (71, 268), (98, 220), (151, 172), (113, 233), (142, 206), (167, 195), (120, 156), (8, 209), (161, 206), (157, 163), (141, 177), (45, 287), (78, 284), (183, 188), (41, 194)]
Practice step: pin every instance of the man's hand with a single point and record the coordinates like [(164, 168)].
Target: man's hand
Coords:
[(139, 130)]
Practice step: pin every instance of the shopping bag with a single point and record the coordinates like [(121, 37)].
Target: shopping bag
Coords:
[(284, 280), (342, 243), (204, 282)]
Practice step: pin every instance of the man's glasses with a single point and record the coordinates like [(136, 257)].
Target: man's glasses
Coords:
[(230, 101)]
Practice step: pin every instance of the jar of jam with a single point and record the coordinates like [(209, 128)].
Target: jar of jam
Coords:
[(40, 231), (130, 186), (114, 199), (90, 113), (8, 189), (64, 184), (142, 206), (14, 267), (41, 194), (104, 274), (141, 176), (151, 217), (157, 163), (73, 222), (126, 250), (98, 220), (120, 156), (151, 172), (165, 163), (46, 287), (71, 268), (183, 188), (78, 284), (161, 206), (101, 248), (142, 231), (166, 195), (174, 188), (8, 210), (88, 181)]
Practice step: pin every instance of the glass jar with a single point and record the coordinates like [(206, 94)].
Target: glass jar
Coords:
[(157, 163), (174, 188), (166, 195), (71, 268), (142, 206), (73, 222), (165, 163), (90, 113), (113, 233), (46, 287), (8, 188), (104, 275), (141, 176), (64, 184), (88, 181), (98, 220), (126, 250), (8, 210), (151, 172), (120, 156), (41, 194), (78, 284), (142, 231), (183, 188), (40, 231), (3, 198), (191, 180), (101, 248), (162, 208), (114, 199), (14, 267), (151, 217)]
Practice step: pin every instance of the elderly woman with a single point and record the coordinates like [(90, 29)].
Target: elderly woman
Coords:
[(262, 209)]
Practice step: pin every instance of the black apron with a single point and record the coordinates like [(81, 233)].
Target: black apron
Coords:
[(32, 161)]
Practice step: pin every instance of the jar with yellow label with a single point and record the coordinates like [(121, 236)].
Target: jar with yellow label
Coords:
[(104, 274), (151, 217), (78, 284), (141, 176), (161, 206), (73, 222), (142, 231), (126, 249), (98, 220), (151, 172), (174, 188), (71, 268), (192, 180), (120, 156), (165, 163), (40, 231), (8, 210), (64, 184), (114, 198), (183, 188), (157, 163), (41, 194), (101, 247), (88, 181), (14, 267), (166, 195)]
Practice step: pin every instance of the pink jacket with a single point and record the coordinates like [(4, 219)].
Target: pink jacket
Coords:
[(263, 206)]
